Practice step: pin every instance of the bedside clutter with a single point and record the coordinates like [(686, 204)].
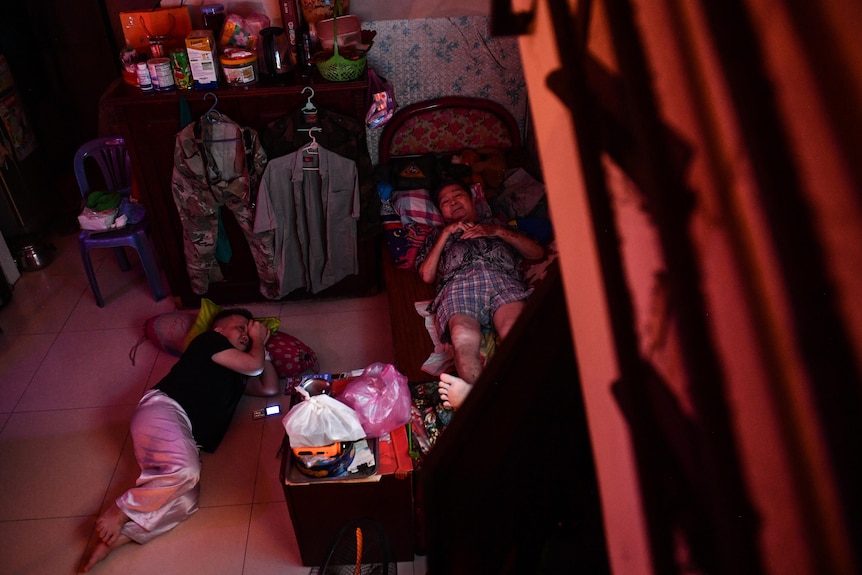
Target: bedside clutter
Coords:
[(383, 492)]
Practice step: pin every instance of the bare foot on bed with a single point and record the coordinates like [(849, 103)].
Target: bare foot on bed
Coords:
[(453, 390), (110, 523), (100, 551)]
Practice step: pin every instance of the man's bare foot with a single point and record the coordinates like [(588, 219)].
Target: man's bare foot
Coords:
[(109, 524), (453, 390), (100, 551)]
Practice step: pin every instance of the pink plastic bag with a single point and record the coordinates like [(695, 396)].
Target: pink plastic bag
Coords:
[(380, 397)]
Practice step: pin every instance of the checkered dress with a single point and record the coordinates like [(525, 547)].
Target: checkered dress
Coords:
[(475, 277)]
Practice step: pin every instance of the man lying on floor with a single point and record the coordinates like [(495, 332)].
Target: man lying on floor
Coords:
[(189, 410)]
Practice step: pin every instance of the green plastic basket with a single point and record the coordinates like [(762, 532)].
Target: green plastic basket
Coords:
[(338, 68)]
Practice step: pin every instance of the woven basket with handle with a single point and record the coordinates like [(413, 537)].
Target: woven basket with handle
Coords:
[(338, 68)]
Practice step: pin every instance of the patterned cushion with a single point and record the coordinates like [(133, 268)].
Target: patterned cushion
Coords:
[(416, 207), (418, 216), (404, 243), (290, 356), (450, 129)]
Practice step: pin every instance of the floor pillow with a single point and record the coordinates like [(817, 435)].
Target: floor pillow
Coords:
[(290, 356), (168, 331)]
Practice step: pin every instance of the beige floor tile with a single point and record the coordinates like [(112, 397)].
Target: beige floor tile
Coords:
[(262, 309), (89, 369), (59, 463), (268, 487), (378, 301), (20, 357), (228, 475), (128, 303), (66, 258), (125, 474), (210, 542), (344, 340), (272, 547), (124, 289), (41, 303), (40, 547)]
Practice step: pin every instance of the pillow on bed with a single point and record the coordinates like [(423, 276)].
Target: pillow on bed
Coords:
[(404, 243), (410, 217), (416, 207)]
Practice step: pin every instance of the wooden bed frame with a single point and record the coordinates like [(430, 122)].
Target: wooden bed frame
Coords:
[(478, 123)]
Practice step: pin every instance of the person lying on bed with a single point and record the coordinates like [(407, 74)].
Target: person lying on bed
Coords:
[(475, 265), (189, 410)]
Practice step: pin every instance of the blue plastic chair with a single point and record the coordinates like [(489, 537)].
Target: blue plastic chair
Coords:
[(112, 158)]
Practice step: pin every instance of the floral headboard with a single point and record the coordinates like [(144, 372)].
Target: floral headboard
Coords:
[(449, 125)]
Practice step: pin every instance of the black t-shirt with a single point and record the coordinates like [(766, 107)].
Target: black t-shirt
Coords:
[(207, 391)]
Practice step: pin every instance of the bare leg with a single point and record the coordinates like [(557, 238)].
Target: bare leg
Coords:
[(453, 390), (100, 551), (506, 316), (466, 335)]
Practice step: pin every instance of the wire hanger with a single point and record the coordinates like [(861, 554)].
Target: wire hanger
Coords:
[(309, 111), (213, 116)]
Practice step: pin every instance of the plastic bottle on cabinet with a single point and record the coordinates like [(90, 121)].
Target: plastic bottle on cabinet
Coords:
[(290, 16), (303, 48), (145, 83)]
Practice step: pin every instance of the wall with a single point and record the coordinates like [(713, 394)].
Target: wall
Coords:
[(772, 373), (433, 57), (365, 9)]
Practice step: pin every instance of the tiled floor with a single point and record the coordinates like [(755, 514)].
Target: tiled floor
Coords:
[(67, 391)]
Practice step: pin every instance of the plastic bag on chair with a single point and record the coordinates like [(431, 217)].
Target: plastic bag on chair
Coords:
[(380, 397), (321, 420)]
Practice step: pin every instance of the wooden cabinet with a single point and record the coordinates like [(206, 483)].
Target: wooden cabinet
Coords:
[(319, 508), (150, 122)]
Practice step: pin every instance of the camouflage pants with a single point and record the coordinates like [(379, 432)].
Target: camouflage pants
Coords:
[(218, 164)]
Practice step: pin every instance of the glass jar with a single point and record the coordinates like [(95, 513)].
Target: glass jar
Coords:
[(239, 67), (213, 18)]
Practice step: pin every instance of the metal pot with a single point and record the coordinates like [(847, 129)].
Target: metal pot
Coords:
[(32, 257)]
